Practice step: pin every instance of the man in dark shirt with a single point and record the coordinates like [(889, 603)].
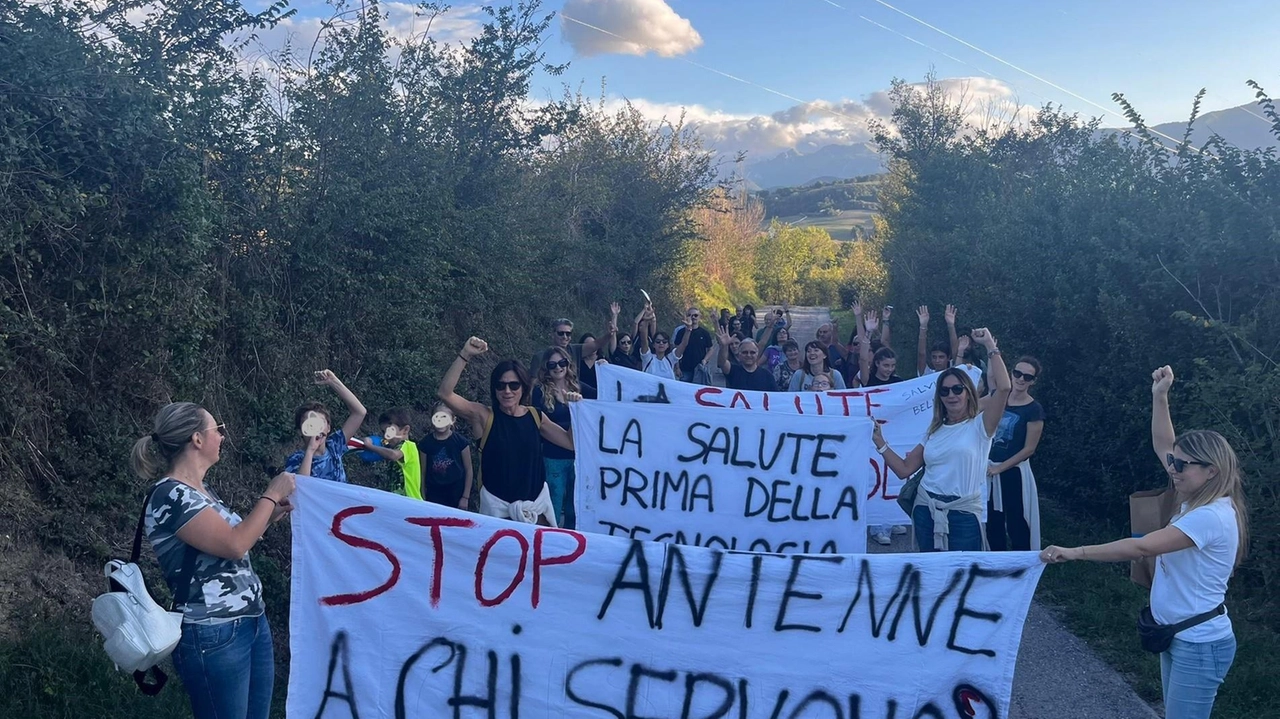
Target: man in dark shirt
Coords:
[(748, 373), (695, 353)]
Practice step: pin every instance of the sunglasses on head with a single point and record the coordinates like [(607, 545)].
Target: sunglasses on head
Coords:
[(554, 364), (564, 334), (512, 386), (1180, 464), (1022, 375), (956, 389)]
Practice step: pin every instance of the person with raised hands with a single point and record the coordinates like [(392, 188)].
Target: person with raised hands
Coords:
[(657, 357), (748, 373), (512, 475), (951, 501), (322, 453), (694, 343), (1196, 554), (931, 359), (1013, 508)]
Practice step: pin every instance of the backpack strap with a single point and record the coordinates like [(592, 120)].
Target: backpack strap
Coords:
[(488, 425), (182, 581), (537, 417)]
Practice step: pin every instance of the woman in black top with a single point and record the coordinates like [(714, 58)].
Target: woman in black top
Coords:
[(511, 467), (884, 365), (1013, 511)]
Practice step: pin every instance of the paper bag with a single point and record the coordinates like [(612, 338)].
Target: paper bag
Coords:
[(1149, 510)]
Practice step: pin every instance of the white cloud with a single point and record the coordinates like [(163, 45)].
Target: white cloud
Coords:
[(646, 25), (812, 125)]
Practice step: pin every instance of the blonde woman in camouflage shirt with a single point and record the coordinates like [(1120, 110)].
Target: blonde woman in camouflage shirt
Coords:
[(225, 655)]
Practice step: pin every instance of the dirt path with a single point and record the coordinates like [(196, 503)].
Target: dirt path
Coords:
[(1057, 675)]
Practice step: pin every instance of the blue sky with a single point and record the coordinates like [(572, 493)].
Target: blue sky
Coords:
[(1158, 53)]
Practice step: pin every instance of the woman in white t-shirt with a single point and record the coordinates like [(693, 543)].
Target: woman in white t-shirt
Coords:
[(951, 499), (1195, 556), (660, 359)]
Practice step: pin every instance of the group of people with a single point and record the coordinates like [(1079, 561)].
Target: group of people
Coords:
[(971, 465)]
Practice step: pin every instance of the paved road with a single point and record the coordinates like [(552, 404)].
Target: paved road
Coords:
[(1057, 675)]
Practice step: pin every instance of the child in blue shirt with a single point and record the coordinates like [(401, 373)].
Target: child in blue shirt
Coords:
[(322, 456)]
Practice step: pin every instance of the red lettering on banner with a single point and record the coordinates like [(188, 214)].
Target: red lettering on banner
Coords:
[(539, 561), (437, 544), (844, 396), (697, 396), (739, 397), (766, 401), (798, 408), (818, 398), (338, 600), (484, 558)]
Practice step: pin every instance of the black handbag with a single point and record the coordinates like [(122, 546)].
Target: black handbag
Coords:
[(1157, 637)]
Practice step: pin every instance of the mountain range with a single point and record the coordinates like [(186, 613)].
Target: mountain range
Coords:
[(1244, 126)]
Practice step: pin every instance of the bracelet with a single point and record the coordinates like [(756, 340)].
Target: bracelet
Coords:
[(994, 352), (464, 359), (883, 448), (269, 500)]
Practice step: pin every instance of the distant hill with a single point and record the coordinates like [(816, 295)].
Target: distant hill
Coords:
[(831, 162), (844, 208), (1242, 126)]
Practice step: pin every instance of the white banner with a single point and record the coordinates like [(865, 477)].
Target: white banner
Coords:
[(903, 409), (401, 608), (709, 478)]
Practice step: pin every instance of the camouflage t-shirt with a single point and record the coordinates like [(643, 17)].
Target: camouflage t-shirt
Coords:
[(220, 588)]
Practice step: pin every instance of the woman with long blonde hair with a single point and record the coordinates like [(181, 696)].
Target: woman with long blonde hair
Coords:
[(554, 387), (1195, 556), (950, 503)]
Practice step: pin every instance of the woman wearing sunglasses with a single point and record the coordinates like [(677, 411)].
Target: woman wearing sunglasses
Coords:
[(951, 501), (1013, 504), (512, 475), (225, 655), (555, 386), (1195, 556)]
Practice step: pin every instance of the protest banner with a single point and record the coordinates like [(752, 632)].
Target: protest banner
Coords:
[(903, 409), (402, 608), (700, 476)]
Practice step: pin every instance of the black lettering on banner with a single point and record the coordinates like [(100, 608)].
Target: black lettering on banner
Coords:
[(976, 572), (697, 607), (634, 554), (756, 561), (819, 455), (573, 694), (691, 683), (818, 695), (795, 458), (628, 437), (633, 687), (789, 592), (338, 651), (605, 484), (737, 445), (706, 448), (907, 593)]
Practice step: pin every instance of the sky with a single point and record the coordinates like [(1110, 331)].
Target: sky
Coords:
[(812, 72)]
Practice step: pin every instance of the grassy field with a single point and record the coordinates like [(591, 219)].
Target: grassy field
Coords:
[(840, 227)]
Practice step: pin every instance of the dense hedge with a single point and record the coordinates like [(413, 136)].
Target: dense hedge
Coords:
[(1105, 258), (171, 228)]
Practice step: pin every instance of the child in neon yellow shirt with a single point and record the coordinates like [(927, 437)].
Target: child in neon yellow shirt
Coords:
[(397, 447)]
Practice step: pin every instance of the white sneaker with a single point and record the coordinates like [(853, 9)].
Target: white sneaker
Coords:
[(898, 529), (882, 538)]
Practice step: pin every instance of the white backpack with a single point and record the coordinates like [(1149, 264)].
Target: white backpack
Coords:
[(139, 633)]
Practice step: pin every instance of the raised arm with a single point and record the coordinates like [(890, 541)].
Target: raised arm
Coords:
[(356, 410), (950, 314), (468, 478), (902, 466), (1162, 433), (476, 414), (922, 343), (993, 404), (612, 331), (722, 351), (684, 338)]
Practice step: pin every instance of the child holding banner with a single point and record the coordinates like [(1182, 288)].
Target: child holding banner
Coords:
[(1187, 622), (512, 475), (951, 501)]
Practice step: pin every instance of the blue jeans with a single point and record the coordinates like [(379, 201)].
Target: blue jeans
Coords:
[(228, 669), (1191, 672), (964, 533), (560, 486)]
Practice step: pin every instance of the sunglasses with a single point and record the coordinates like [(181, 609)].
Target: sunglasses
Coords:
[(1022, 375), (1181, 464), (558, 365), (511, 386), (624, 342), (661, 341), (221, 429), (565, 334), (955, 389)]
